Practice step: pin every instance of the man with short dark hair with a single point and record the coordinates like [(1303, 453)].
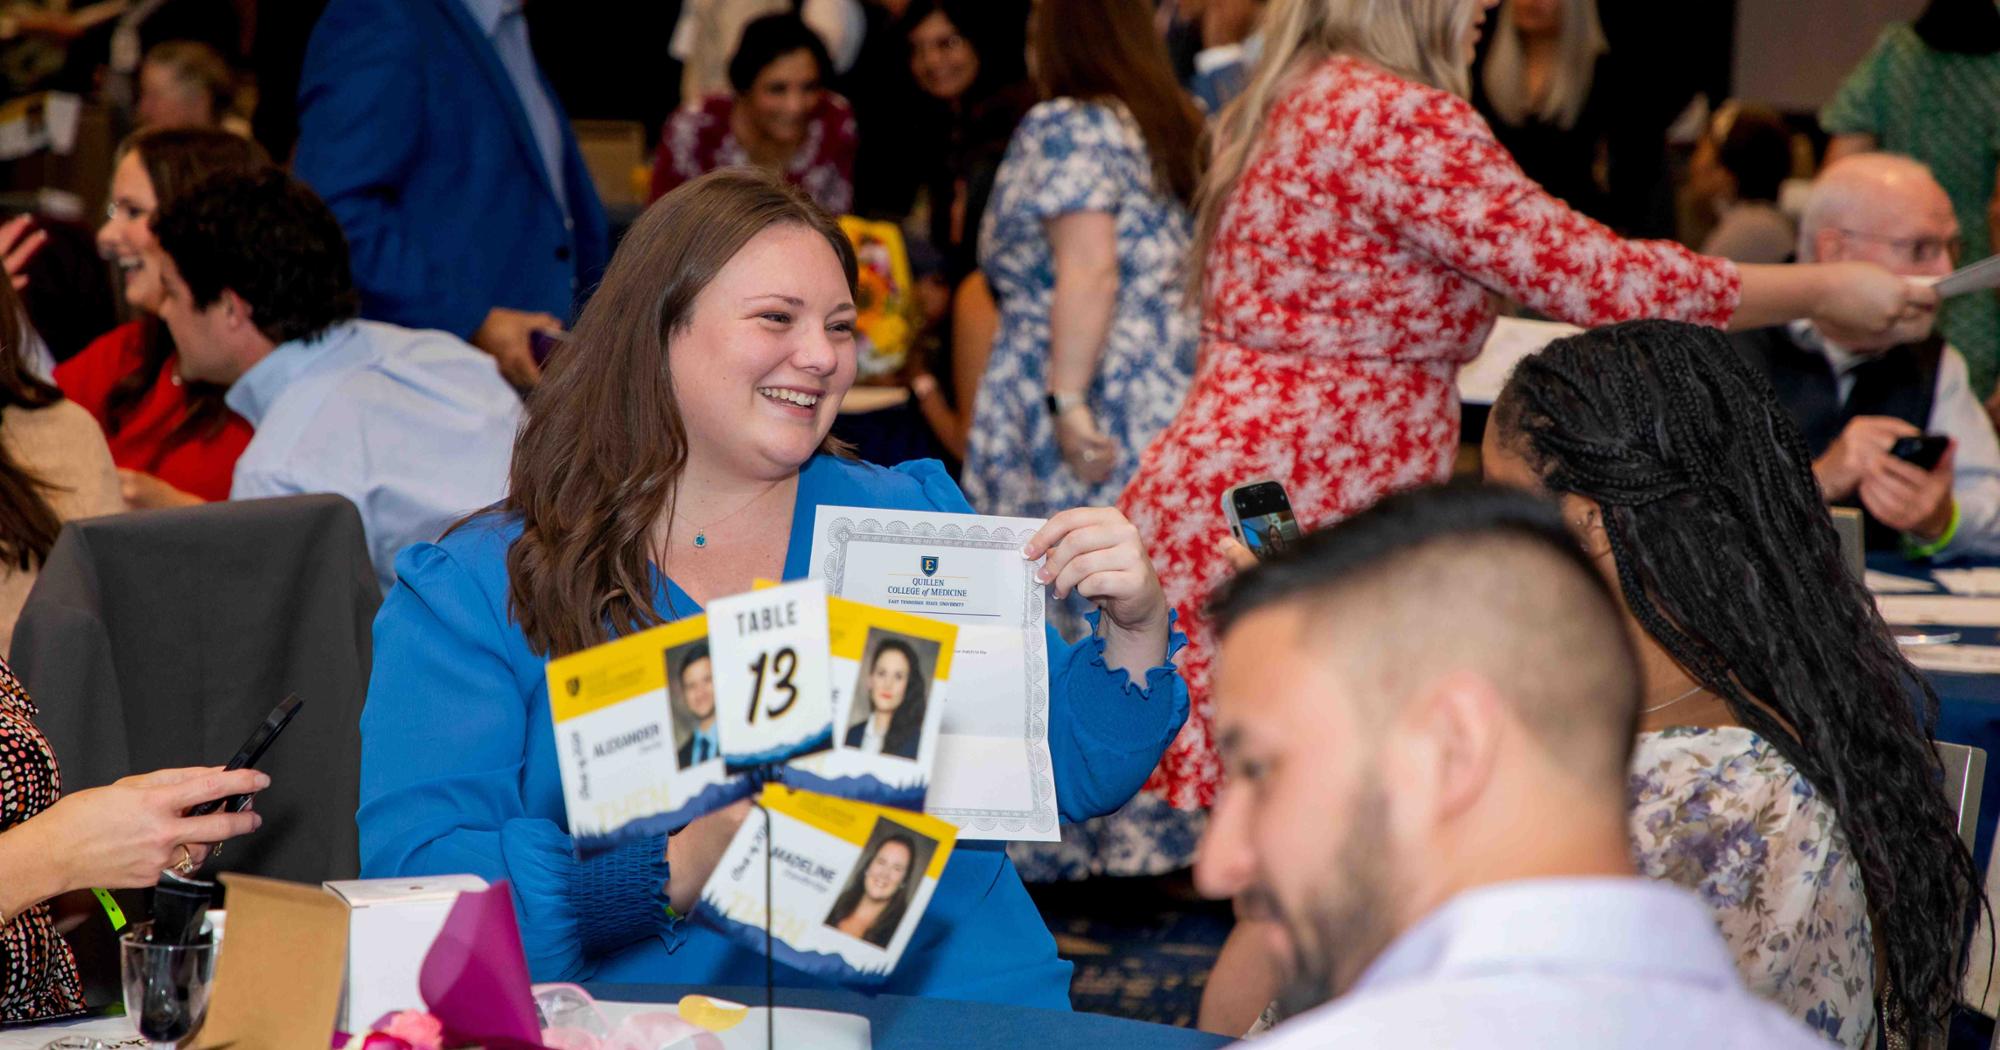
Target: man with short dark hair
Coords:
[(1429, 810), (415, 427)]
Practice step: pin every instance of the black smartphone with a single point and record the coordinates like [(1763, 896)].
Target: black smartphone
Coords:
[(1923, 452), (542, 344), (1260, 515), (253, 749)]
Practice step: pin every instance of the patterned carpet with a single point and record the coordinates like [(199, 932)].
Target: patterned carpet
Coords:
[(1142, 947)]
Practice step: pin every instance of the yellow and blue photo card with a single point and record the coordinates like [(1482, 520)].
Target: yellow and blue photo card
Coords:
[(889, 673), (849, 882), (636, 739)]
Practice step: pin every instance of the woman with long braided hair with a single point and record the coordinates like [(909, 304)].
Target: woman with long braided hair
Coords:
[(1784, 768)]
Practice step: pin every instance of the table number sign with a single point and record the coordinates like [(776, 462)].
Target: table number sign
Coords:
[(773, 701)]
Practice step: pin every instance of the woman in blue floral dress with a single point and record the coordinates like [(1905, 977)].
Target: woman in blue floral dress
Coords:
[(1085, 244)]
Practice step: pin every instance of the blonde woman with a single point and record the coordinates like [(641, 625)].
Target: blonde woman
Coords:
[(1541, 85), (1356, 221)]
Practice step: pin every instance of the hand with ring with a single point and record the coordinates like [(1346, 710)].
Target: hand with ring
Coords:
[(122, 835)]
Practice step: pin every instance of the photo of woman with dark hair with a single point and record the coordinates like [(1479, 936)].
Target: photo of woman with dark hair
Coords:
[(892, 687), (878, 893)]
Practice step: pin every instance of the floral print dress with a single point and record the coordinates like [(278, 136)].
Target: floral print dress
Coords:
[(1722, 813), (38, 975), (1066, 157), (1352, 273)]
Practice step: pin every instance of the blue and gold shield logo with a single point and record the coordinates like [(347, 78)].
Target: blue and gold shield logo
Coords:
[(929, 563)]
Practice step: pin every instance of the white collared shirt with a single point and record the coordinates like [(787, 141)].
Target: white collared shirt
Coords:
[(1606, 963), (415, 427), (871, 738)]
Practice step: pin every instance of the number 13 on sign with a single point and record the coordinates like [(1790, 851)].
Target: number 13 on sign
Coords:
[(772, 696), (784, 666)]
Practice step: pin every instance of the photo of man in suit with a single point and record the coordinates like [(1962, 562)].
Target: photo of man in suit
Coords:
[(691, 694)]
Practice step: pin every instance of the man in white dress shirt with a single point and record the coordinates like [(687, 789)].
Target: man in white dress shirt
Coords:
[(415, 427), (1853, 395), (1427, 812)]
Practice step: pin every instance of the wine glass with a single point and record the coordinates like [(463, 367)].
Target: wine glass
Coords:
[(166, 986)]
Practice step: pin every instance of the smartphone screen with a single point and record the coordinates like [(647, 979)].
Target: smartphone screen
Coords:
[(1266, 518), (1922, 452)]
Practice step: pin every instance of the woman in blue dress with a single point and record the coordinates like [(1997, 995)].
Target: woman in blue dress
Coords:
[(1085, 244), (671, 456)]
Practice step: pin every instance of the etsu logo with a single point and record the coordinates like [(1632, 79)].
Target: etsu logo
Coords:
[(573, 684), (929, 563)]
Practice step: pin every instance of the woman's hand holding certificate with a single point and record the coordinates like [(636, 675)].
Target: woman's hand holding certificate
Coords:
[(1096, 552)]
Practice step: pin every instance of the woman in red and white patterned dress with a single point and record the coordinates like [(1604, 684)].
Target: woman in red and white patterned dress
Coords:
[(1359, 221)]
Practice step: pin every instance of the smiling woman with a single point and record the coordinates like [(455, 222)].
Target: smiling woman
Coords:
[(780, 117), (676, 453), (176, 442)]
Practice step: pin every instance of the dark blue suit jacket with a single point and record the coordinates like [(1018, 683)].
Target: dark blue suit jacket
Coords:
[(411, 131)]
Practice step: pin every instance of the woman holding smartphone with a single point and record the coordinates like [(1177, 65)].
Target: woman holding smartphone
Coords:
[(1356, 222), (120, 836)]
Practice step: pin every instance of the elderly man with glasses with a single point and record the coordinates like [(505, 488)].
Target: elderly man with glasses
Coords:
[(1856, 397)]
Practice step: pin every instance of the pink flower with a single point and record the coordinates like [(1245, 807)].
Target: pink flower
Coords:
[(416, 1029)]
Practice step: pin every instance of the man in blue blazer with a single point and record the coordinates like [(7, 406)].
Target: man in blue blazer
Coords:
[(428, 129)]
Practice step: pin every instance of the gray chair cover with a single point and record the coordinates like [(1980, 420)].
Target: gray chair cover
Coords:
[(162, 638)]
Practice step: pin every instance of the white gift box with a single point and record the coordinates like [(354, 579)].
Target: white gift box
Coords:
[(391, 925)]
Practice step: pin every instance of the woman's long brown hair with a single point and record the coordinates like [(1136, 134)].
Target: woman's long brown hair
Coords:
[(175, 159), (1107, 49), (600, 453), (28, 524)]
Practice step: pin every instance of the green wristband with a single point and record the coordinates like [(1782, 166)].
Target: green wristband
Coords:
[(1920, 551), (111, 909)]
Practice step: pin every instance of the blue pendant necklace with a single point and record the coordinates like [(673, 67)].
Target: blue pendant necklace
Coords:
[(701, 534)]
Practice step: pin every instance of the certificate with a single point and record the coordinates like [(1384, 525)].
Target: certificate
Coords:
[(992, 777)]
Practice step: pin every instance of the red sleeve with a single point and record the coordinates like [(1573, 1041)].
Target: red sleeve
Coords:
[(1458, 196), (88, 377), (689, 143)]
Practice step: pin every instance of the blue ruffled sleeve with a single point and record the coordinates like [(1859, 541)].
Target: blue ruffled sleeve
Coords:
[(1106, 731), (444, 742)]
